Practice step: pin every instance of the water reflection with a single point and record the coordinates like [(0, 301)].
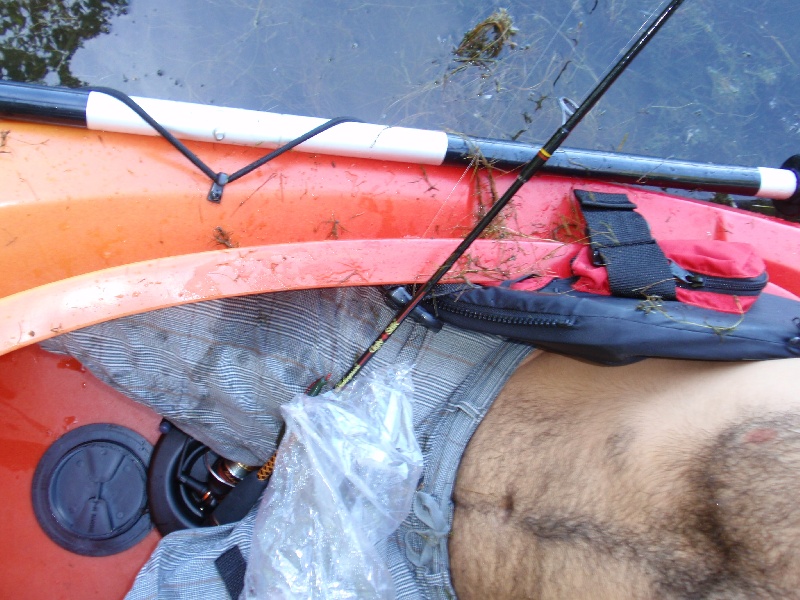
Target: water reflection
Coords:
[(717, 84), (38, 38)]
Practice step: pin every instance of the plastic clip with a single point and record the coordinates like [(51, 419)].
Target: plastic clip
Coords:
[(215, 193), (691, 279), (597, 258), (398, 297)]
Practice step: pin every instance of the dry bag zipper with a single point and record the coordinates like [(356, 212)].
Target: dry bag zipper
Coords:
[(741, 286), (506, 317)]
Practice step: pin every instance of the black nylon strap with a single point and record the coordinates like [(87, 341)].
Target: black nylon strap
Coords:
[(621, 240), (231, 567)]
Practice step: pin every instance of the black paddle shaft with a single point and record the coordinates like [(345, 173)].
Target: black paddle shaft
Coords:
[(528, 171)]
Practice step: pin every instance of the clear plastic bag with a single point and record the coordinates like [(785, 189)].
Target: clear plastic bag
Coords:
[(344, 479)]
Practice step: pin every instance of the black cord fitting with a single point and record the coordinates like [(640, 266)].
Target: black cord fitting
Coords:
[(217, 186)]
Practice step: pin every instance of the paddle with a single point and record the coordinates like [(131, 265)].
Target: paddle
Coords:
[(528, 171), (99, 111)]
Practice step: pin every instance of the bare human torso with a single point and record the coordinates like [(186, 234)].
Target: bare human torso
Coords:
[(662, 479)]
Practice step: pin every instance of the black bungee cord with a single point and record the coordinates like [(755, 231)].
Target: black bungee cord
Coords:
[(218, 180)]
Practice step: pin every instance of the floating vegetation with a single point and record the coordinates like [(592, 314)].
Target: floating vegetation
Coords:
[(483, 43), (39, 39)]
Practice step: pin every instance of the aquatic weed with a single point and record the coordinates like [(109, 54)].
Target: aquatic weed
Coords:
[(484, 42)]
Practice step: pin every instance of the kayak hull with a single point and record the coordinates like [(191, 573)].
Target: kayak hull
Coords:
[(42, 396), (96, 226), (100, 225)]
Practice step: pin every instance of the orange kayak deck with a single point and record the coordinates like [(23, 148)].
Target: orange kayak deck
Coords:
[(98, 226), (42, 396), (94, 226)]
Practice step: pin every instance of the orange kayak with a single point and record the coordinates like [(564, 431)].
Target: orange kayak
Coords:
[(95, 226), (101, 225)]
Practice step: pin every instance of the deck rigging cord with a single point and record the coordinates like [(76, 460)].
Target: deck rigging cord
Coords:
[(218, 179), (528, 171), (97, 111)]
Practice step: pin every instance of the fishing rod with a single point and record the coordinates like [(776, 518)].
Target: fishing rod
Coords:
[(97, 110), (529, 170)]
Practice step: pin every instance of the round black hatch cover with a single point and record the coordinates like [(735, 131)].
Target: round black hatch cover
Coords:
[(90, 489)]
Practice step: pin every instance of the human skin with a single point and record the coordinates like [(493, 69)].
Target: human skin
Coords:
[(661, 479)]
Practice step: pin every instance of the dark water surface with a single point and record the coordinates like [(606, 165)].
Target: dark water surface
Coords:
[(720, 83)]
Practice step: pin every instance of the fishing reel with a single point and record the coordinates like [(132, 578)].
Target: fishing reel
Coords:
[(187, 482)]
